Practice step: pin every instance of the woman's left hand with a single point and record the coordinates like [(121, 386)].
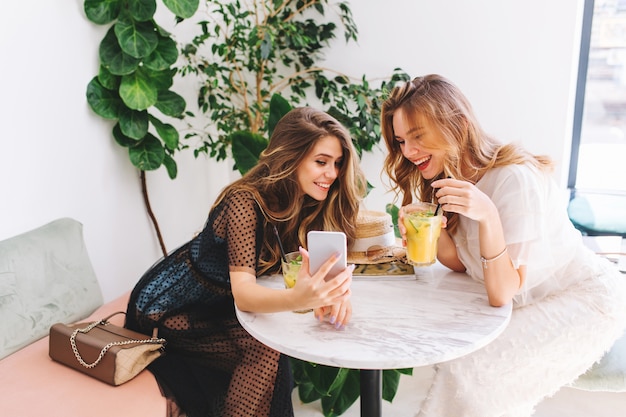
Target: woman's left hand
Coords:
[(463, 197), (337, 314)]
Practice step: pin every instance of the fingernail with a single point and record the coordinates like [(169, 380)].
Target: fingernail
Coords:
[(332, 320), (339, 326), (352, 267)]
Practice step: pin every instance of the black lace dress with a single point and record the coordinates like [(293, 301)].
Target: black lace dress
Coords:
[(212, 366)]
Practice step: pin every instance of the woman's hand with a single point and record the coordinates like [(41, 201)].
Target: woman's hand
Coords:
[(463, 197), (502, 279), (337, 314), (329, 298)]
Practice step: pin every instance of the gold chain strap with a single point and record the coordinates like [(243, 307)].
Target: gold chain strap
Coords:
[(106, 347)]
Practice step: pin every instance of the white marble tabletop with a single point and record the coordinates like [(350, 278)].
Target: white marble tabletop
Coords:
[(439, 316)]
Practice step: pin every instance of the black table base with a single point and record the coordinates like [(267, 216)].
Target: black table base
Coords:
[(371, 392)]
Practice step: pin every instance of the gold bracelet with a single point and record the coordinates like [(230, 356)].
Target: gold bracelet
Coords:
[(485, 261)]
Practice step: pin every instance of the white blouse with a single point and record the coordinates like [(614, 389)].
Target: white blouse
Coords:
[(537, 231)]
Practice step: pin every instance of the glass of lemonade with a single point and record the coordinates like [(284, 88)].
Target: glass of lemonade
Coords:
[(423, 228), (291, 266)]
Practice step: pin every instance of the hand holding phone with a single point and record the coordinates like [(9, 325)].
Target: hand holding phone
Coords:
[(322, 245)]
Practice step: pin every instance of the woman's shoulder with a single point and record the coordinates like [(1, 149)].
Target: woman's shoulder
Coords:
[(516, 181), (238, 197), (518, 174)]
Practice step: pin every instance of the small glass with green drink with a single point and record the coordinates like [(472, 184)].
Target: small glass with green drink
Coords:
[(423, 228), (291, 266)]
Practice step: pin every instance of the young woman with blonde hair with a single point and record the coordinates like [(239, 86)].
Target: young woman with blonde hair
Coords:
[(507, 227)]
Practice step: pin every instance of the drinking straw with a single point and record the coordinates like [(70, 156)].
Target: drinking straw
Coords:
[(439, 205), (280, 244)]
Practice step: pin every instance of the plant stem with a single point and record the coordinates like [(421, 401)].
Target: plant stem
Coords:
[(155, 223)]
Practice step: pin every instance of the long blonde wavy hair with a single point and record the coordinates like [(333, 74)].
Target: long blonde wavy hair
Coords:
[(470, 151), (274, 185)]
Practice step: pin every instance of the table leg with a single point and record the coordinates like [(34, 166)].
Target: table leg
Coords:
[(371, 392)]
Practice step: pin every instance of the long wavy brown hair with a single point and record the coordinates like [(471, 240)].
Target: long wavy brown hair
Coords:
[(273, 183), (470, 151)]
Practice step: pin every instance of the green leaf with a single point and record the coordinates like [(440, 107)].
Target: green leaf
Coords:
[(247, 147), (170, 103), (182, 8), (394, 210), (278, 108), (343, 394), (170, 165), (137, 39), (391, 381), (324, 377), (108, 80), (404, 371), (163, 56), (113, 58), (307, 392), (102, 12), (134, 124), (122, 139), (162, 80), (104, 102), (266, 46), (167, 132), (148, 154), (142, 10), (137, 91)]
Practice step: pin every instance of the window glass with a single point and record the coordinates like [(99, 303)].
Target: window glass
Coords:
[(602, 151)]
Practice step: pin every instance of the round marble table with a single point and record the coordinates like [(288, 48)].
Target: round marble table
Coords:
[(438, 316)]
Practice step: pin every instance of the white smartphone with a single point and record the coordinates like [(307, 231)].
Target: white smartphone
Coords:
[(322, 245)]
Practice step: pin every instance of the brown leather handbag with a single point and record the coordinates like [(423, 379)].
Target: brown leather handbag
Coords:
[(100, 349)]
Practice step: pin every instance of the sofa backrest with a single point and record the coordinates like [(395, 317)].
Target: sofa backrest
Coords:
[(46, 277)]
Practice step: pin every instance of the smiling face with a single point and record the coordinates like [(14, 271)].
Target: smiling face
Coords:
[(420, 142), (320, 167)]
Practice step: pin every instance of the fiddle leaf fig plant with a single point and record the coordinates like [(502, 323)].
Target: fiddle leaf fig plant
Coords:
[(136, 74), (133, 84)]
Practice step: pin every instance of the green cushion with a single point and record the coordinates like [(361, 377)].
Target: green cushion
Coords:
[(46, 277), (599, 213), (609, 374)]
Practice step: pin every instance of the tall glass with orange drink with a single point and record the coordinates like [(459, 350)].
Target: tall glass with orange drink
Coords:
[(423, 228)]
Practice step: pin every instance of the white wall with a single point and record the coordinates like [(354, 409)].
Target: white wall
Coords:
[(516, 61), (58, 158)]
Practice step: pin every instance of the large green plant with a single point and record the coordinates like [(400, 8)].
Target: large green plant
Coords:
[(247, 51), (338, 388), (133, 85)]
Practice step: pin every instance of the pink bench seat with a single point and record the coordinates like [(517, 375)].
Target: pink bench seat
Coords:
[(33, 385)]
